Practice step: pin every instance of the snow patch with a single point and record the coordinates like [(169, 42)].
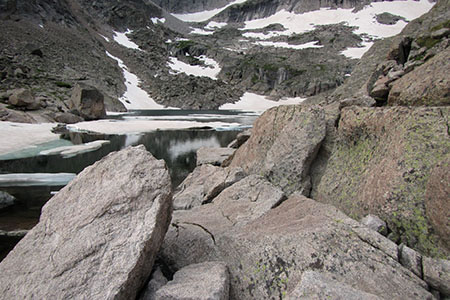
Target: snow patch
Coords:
[(357, 52), (258, 103), (105, 38), (211, 70), (134, 97), (200, 31), (158, 20), (204, 15), (286, 45), (215, 25), (122, 39)]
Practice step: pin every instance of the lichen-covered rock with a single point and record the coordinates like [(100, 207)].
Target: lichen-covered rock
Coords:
[(428, 84), (203, 184), (268, 255), (437, 202), (381, 164), (204, 281), (98, 237), (284, 142), (410, 259), (316, 285), (436, 272)]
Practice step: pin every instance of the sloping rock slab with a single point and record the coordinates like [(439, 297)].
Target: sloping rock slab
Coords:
[(203, 184), (315, 285), (98, 237), (283, 144), (205, 281), (382, 163), (268, 256)]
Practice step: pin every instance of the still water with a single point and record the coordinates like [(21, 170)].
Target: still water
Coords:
[(176, 146)]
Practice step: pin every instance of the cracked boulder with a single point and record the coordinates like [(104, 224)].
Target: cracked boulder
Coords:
[(284, 142), (193, 233), (88, 102), (382, 163), (98, 237), (203, 184), (270, 254)]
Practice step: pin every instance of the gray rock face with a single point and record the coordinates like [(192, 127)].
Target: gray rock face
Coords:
[(23, 98), (88, 101), (203, 184), (411, 260), (315, 285), (436, 272), (283, 145), (156, 282), (6, 200), (213, 156), (205, 281), (375, 223), (200, 227), (98, 237), (268, 255)]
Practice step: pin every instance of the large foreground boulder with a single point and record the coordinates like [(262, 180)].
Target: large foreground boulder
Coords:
[(98, 237), (382, 163), (88, 102), (284, 142), (270, 252)]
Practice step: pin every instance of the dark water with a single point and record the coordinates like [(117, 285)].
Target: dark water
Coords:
[(176, 147)]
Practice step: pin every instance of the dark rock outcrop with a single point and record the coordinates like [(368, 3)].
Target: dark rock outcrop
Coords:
[(87, 101), (98, 237)]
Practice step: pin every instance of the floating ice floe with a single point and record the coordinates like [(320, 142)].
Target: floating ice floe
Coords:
[(35, 179), (122, 39), (141, 125), (158, 20), (211, 70), (204, 15), (258, 103), (17, 136), (70, 151), (134, 97), (290, 46)]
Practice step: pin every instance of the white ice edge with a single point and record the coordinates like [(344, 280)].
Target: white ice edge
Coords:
[(122, 39), (140, 126), (258, 103), (70, 151), (36, 179), (18, 136)]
